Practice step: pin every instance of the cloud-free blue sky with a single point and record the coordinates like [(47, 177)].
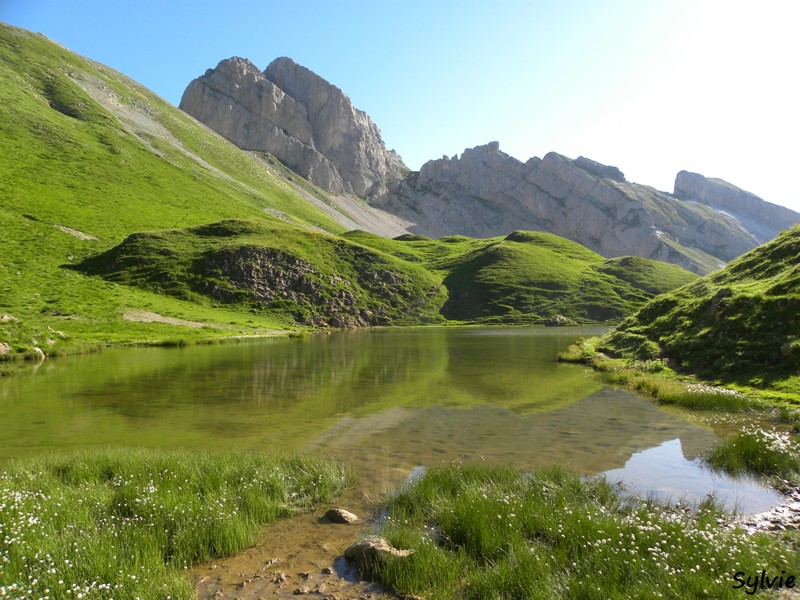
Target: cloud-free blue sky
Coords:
[(650, 86)]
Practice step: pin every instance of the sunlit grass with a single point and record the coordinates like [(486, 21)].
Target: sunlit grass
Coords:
[(758, 452), (123, 524), (488, 532), (654, 378)]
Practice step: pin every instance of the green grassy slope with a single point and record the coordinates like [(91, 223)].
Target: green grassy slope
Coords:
[(533, 277), (79, 171), (313, 278), (737, 325)]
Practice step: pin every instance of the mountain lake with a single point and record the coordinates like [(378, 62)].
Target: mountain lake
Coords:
[(389, 402)]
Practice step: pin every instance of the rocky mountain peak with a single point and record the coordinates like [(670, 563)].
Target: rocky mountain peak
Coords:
[(599, 169), (485, 193), (299, 117)]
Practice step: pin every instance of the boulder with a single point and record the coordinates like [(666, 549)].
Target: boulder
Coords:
[(366, 551), (340, 515)]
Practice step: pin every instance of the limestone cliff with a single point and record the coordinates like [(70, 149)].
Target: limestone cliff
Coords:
[(761, 218), (294, 114), (486, 192)]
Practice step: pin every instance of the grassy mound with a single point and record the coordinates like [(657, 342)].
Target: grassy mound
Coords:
[(533, 277), (737, 325), (124, 524), (492, 532), (314, 278)]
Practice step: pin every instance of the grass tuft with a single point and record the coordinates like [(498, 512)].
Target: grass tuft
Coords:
[(758, 452)]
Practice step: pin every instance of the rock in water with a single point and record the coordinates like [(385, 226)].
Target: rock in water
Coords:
[(294, 114), (340, 515), (372, 548)]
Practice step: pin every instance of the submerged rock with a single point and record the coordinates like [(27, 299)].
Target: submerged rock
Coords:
[(782, 517)]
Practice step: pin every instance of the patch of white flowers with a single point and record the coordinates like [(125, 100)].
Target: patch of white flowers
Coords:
[(714, 390), (114, 538)]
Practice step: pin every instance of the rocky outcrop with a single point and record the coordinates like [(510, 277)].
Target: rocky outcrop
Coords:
[(269, 277), (294, 114), (761, 218), (486, 192)]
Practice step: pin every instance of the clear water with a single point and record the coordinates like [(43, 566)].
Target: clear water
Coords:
[(386, 401)]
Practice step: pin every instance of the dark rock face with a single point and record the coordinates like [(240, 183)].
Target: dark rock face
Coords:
[(265, 276), (292, 113)]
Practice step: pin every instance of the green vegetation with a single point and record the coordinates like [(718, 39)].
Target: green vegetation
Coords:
[(653, 377), (87, 157), (736, 326), (758, 452), (492, 532), (125, 524), (314, 278), (90, 159), (532, 277)]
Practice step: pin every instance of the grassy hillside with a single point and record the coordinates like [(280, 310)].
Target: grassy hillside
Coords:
[(312, 278), (87, 157), (533, 277), (737, 325), (125, 221)]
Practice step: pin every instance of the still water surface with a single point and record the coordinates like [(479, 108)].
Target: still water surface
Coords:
[(386, 401)]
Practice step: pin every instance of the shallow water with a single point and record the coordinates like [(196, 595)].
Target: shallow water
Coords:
[(386, 401)]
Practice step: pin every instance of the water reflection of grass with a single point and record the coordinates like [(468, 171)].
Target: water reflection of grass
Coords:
[(756, 452), (482, 532), (124, 524)]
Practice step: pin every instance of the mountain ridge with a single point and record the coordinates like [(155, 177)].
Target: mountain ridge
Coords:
[(485, 192)]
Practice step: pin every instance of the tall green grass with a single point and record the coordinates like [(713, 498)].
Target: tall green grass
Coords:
[(123, 524), (492, 532)]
